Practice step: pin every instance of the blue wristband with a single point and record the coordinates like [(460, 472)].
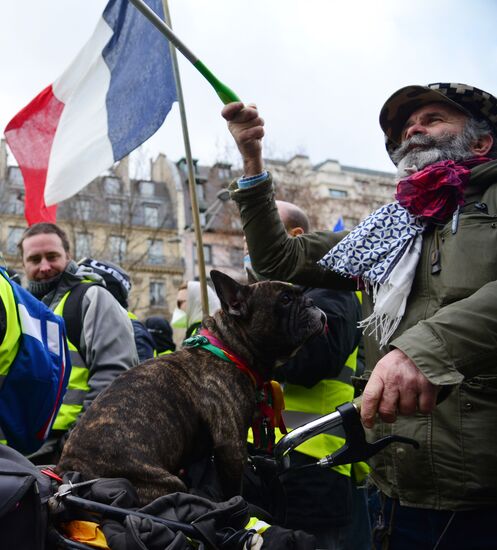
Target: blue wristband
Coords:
[(245, 183)]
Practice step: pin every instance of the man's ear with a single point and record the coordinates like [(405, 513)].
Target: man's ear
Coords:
[(232, 295), (296, 231), (483, 145)]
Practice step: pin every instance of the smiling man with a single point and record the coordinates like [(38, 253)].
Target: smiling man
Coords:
[(100, 338), (429, 260)]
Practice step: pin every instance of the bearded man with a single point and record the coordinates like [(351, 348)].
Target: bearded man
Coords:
[(428, 263)]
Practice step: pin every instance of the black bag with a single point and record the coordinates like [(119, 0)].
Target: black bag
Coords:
[(24, 493)]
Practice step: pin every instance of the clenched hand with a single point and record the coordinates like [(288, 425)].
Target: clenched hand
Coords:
[(396, 386), (247, 128)]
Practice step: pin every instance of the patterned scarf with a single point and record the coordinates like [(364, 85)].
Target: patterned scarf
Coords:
[(384, 249)]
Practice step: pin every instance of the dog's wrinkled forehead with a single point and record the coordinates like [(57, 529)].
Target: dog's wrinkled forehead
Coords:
[(274, 288)]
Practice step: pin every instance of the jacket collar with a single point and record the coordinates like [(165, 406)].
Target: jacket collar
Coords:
[(482, 177)]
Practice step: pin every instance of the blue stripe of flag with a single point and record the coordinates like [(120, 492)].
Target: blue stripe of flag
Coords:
[(142, 88)]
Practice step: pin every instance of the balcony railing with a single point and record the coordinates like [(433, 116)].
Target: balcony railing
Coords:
[(166, 262)]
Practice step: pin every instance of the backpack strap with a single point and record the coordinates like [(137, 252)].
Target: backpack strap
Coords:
[(73, 314)]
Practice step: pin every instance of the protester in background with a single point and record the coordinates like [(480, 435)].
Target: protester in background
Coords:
[(162, 333), (429, 261), (188, 312), (118, 283), (100, 335), (323, 502)]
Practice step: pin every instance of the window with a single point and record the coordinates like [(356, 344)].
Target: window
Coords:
[(83, 245), (200, 191), (147, 188), (117, 246), (16, 204), (115, 212), (337, 193), (207, 253), (155, 251), (15, 176), (13, 237), (151, 215), (112, 186), (224, 173), (84, 209), (157, 293)]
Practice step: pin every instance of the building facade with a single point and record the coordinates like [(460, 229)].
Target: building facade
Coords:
[(146, 225), (130, 222), (329, 191)]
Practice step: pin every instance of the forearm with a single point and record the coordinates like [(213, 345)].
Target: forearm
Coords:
[(273, 253)]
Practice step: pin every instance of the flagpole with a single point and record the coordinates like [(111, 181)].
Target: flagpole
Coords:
[(227, 95), (191, 174)]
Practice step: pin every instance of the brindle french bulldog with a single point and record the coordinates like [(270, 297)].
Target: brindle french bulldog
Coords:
[(166, 413)]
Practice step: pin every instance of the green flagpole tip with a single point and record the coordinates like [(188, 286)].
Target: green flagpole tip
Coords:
[(227, 95)]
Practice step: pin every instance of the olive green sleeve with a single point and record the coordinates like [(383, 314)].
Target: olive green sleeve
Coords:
[(274, 254), (460, 340)]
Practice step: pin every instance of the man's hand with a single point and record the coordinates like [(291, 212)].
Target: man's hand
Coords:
[(396, 386), (247, 128)]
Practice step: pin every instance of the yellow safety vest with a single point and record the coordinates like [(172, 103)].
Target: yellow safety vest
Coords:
[(305, 404), (10, 343), (77, 388)]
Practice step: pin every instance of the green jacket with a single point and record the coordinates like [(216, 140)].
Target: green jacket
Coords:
[(449, 330)]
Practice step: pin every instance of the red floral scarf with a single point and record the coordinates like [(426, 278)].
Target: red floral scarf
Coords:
[(435, 192)]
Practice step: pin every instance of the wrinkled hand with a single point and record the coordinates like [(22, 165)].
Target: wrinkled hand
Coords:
[(247, 128), (396, 386)]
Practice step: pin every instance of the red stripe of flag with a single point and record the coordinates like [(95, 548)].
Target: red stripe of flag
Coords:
[(30, 135)]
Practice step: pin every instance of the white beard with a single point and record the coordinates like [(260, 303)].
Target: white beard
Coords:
[(430, 150)]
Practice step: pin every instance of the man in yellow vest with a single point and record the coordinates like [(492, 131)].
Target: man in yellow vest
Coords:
[(323, 502), (102, 344)]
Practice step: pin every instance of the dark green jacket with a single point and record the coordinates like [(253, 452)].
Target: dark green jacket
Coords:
[(449, 330)]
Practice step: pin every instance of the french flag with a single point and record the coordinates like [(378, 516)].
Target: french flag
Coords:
[(114, 96)]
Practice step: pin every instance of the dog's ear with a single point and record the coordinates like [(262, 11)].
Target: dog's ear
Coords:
[(232, 295)]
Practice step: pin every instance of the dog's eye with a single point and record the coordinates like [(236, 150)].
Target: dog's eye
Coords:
[(285, 298)]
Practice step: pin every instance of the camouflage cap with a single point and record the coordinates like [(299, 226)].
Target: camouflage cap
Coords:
[(467, 99)]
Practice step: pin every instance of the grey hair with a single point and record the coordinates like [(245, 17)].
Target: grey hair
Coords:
[(474, 129)]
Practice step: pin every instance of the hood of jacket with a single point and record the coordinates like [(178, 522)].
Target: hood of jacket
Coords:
[(194, 303)]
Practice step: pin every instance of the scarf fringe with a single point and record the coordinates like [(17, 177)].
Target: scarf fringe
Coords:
[(382, 326)]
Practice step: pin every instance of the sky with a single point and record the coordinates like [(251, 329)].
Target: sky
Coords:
[(318, 70)]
